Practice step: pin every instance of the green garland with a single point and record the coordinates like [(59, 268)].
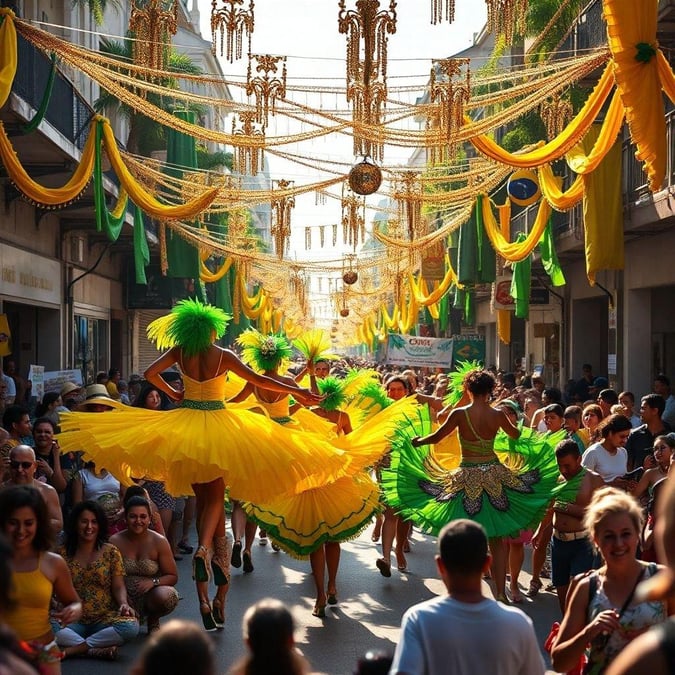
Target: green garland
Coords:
[(332, 389)]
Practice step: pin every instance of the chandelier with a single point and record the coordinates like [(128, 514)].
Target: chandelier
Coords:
[(232, 21), (451, 95), (367, 77), (249, 156), (505, 15), (408, 193), (267, 88), (152, 22), (281, 216), (353, 217)]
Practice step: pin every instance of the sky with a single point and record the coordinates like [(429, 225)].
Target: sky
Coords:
[(306, 32)]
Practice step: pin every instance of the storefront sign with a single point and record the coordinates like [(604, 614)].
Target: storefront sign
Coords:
[(27, 276), (409, 350), (36, 375)]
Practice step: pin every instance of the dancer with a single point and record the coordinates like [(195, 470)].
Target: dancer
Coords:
[(503, 500), (201, 446)]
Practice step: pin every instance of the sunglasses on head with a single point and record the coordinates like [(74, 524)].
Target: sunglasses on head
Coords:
[(13, 464)]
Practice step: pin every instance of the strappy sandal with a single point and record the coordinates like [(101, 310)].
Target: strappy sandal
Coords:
[(219, 562), (384, 567), (534, 588), (200, 570), (319, 611), (235, 559), (248, 563)]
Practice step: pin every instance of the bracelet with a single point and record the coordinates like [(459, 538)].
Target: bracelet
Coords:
[(155, 581)]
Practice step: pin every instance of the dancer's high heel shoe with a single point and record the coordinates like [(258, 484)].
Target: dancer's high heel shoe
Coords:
[(200, 571), (207, 616), (218, 612), (220, 564)]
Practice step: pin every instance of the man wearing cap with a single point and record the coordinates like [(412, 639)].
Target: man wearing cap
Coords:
[(583, 385), (22, 466)]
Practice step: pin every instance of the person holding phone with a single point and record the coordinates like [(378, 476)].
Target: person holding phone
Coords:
[(48, 454)]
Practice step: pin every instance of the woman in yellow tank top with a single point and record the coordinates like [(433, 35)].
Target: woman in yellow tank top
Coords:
[(37, 575)]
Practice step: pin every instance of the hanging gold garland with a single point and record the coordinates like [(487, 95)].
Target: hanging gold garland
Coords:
[(153, 22), (281, 216), (367, 78), (556, 112), (248, 160), (438, 13), (267, 88), (231, 21), (503, 16)]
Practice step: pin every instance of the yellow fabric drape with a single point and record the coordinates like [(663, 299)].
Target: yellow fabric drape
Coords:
[(390, 322), (504, 325), (666, 75), (550, 188), (631, 25), (253, 301), (52, 197), (556, 148), (209, 277), (514, 252), (8, 53), (581, 162), (603, 212), (448, 280), (143, 199)]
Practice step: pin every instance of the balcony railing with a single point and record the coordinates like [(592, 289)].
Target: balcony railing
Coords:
[(588, 32), (68, 112)]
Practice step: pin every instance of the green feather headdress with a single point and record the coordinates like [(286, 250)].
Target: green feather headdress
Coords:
[(372, 394), (264, 352), (332, 389), (456, 381), (190, 325)]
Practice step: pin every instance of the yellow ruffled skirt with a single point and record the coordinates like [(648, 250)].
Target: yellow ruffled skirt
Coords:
[(257, 458)]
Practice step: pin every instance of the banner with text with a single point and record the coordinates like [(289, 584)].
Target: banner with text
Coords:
[(410, 350)]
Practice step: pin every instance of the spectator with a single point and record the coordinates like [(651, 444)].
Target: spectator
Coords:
[(662, 387), (179, 647), (554, 418), (149, 565), (48, 454), (135, 384), (70, 396), (583, 385), (447, 634), (641, 441), (123, 389), (627, 400), (572, 417), (37, 575), (614, 522), (609, 457), (268, 629), (606, 399), (599, 383), (591, 418), (98, 576), (49, 406)]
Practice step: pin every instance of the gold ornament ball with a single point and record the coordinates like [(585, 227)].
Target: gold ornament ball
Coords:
[(344, 311), (365, 177), (350, 277)]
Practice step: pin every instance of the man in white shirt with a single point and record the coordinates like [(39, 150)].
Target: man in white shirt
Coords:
[(449, 634), (609, 457)]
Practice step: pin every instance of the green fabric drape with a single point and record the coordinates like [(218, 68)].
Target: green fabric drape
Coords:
[(46, 98), (105, 221), (549, 257), (181, 155), (444, 313), (141, 250), (521, 283), (476, 257)]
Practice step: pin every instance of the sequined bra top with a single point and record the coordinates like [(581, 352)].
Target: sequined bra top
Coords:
[(477, 445), (204, 394)]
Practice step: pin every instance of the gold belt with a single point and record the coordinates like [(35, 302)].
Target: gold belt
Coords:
[(569, 536)]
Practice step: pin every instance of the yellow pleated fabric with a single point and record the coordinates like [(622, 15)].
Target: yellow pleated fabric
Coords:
[(603, 212), (551, 189), (631, 26), (556, 148), (504, 325), (36, 192), (8, 53), (514, 252), (666, 75), (258, 459)]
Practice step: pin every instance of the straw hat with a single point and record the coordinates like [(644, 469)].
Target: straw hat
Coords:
[(69, 388), (96, 394)]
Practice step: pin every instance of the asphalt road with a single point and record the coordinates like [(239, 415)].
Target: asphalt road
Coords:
[(367, 616)]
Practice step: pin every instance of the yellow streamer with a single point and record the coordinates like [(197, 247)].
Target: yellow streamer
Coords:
[(514, 252), (550, 185), (143, 199), (35, 192), (209, 277), (630, 24), (8, 53), (556, 148)]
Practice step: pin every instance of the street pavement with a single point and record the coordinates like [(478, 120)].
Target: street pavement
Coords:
[(368, 614)]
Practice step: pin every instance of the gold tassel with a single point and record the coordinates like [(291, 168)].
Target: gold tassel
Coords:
[(438, 14)]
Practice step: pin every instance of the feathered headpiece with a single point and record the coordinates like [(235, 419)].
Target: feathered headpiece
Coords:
[(190, 325), (372, 394), (314, 345), (332, 389), (456, 381), (264, 352)]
